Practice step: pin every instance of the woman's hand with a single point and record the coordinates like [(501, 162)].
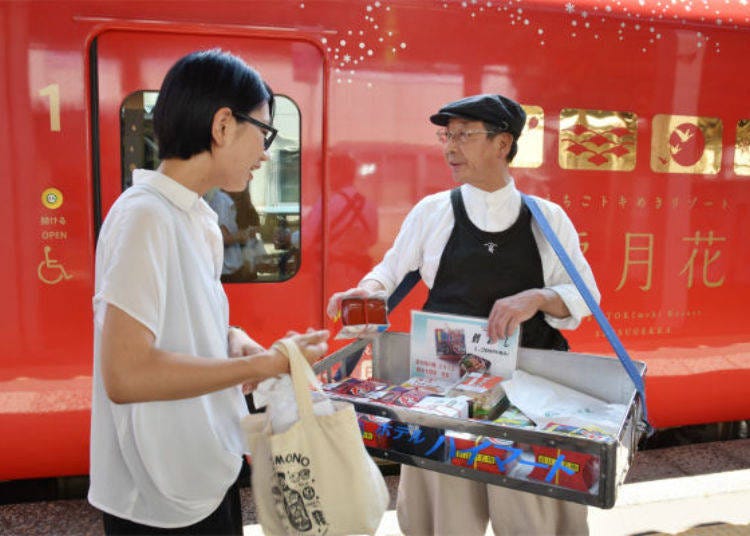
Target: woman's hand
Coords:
[(313, 344), (241, 345)]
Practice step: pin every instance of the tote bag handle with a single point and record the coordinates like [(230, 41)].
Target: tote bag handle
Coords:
[(302, 376)]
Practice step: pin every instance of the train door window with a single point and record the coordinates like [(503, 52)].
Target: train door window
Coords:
[(261, 225)]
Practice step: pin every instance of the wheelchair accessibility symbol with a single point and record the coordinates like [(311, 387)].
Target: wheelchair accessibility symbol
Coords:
[(50, 270)]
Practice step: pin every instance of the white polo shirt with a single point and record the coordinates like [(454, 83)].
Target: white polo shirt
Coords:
[(427, 228), (159, 259)]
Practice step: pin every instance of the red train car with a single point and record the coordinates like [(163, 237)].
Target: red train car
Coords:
[(638, 124)]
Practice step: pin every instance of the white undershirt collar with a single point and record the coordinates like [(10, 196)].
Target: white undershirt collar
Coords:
[(479, 197)]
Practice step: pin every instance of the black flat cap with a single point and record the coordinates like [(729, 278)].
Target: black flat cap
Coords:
[(496, 110)]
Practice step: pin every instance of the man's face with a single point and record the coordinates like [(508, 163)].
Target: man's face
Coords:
[(472, 157)]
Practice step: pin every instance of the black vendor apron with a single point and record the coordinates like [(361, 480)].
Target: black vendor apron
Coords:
[(477, 268)]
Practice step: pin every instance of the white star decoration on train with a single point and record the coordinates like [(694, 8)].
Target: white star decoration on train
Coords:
[(353, 47), (356, 45), (637, 27)]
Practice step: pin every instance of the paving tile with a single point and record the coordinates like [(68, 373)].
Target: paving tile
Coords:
[(77, 517), (690, 460)]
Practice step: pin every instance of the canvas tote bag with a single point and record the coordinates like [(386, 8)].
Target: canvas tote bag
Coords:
[(316, 477)]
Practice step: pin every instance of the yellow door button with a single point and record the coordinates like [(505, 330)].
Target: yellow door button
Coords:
[(52, 198)]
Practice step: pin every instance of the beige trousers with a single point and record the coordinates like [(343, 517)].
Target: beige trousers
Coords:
[(434, 503)]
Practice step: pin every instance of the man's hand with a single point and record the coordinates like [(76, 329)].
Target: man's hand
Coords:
[(508, 313)]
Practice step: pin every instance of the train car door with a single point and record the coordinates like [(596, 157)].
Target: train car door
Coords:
[(281, 279)]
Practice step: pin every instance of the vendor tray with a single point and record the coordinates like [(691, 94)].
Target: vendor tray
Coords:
[(585, 470)]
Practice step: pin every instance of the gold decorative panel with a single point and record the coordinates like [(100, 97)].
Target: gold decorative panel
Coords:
[(531, 143), (686, 144), (597, 139), (742, 148)]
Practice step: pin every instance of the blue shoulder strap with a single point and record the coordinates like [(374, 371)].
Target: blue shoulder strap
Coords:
[(622, 354), (412, 278), (407, 283)]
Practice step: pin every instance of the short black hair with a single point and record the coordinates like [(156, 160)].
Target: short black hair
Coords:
[(193, 90), (494, 131)]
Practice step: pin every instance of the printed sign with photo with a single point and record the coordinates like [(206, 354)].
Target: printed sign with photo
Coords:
[(448, 346)]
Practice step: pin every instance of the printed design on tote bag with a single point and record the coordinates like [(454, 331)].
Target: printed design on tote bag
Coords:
[(294, 494)]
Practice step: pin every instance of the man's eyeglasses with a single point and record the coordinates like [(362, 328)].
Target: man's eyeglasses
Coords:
[(269, 133), (459, 136)]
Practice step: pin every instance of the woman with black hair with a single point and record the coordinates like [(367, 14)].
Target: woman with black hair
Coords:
[(166, 445)]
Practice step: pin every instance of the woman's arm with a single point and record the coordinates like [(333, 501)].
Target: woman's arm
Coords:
[(135, 371)]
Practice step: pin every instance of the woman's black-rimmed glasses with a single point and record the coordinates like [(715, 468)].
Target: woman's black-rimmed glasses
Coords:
[(269, 133)]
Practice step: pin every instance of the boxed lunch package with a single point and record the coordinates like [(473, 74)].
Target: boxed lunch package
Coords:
[(363, 317)]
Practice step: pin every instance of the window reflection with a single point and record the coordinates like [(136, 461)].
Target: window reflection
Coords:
[(260, 225)]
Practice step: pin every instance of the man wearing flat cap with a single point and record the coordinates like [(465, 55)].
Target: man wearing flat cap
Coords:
[(481, 254)]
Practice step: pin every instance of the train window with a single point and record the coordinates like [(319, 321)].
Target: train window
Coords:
[(261, 225)]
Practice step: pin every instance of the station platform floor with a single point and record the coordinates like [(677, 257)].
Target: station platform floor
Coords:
[(690, 490)]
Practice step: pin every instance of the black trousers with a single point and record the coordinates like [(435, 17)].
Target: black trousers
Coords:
[(225, 520)]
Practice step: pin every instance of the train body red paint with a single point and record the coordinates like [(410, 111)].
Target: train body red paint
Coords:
[(639, 126)]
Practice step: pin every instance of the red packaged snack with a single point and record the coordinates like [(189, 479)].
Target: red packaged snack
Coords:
[(574, 470), (345, 387), (376, 431), (372, 385), (401, 396), (411, 397), (357, 388), (491, 455)]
